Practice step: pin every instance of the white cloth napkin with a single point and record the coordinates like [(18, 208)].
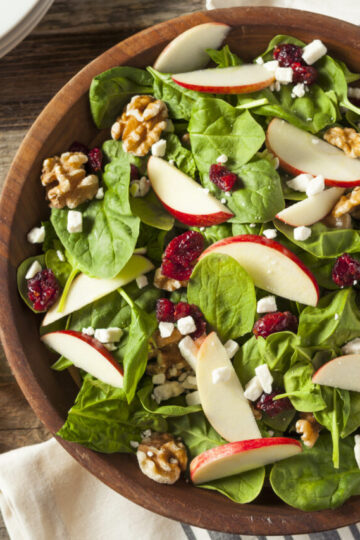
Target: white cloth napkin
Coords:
[(46, 495)]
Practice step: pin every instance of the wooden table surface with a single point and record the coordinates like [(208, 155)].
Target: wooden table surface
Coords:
[(71, 34)]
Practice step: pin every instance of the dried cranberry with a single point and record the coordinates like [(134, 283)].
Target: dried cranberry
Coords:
[(222, 177), (183, 309), (134, 172), (95, 158), (175, 270), (186, 248), (271, 407), (165, 310), (346, 270), (287, 53), (275, 322), (77, 146), (43, 290), (303, 74)]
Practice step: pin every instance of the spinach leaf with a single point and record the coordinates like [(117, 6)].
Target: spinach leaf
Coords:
[(215, 232), (199, 436), (151, 212), (246, 228), (309, 481), (142, 327), (110, 90), (224, 57), (110, 230), (334, 77), (353, 421), (61, 269), (280, 422), (22, 282), (225, 293), (102, 420), (61, 364), (179, 100), (153, 240), (174, 407), (304, 395), (182, 157), (333, 322)]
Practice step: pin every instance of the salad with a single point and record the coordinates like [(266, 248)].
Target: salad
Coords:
[(200, 271)]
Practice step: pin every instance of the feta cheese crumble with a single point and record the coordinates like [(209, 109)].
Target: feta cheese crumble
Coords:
[(108, 335), (188, 350), (316, 185), (74, 222), (222, 158), (265, 377), (34, 268), (259, 61), (270, 233), (142, 281), (60, 255), (100, 193), (221, 374), (165, 391), (140, 188), (266, 304), (300, 182), (352, 347), (313, 51), (193, 398), (298, 90), (36, 235), (253, 389), (134, 444), (186, 325), (88, 331), (110, 346), (158, 149), (272, 65), (231, 348), (284, 75), (301, 233), (166, 329)]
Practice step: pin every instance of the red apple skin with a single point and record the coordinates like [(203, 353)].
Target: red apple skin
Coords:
[(94, 343), (268, 243), (292, 170), (244, 89), (204, 220), (230, 449)]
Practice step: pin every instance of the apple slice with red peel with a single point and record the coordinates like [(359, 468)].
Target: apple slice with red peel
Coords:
[(272, 266), (242, 79), (84, 290), (223, 401), (312, 209), (301, 152), (188, 50), (184, 198), (86, 353), (237, 457), (341, 372)]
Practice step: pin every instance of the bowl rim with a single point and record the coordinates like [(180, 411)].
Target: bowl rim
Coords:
[(239, 519)]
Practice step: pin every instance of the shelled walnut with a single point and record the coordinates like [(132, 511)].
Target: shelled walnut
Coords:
[(347, 203), (66, 181), (309, 428), (168, 358), (162, 458), (347, 139), (140, 124)]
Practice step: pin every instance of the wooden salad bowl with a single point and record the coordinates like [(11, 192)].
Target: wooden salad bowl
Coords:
[(65, 119)]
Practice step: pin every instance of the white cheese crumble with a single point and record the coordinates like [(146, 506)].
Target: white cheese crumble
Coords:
[(134, 444), (298, 90), (316, 185), (284, 75), (60, 255), (74, 222), (162, 392), (110, 346), (34, 268), (231, 348), (166, 329), (266, 304), (186, 325), (140, 188), (222, 158), (193, 398), (313, 51), (108, 335), (159, 378), (253, 389), (172, 162), (300, 182), (223, 200), (158, 149), (88, 331), (352, 347), (252, 225), (354, 92), (301, 233), (188, 351), (259, 61), (190, 383), (270, 233), (221, 374), (36, 235), (357, 450), (272, 65), (100, 193), (142, 281), (265, 377)]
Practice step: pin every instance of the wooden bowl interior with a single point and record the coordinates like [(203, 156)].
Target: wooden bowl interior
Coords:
[(65, 119)]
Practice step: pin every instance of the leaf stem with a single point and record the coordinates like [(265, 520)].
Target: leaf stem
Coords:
[(65, 292)]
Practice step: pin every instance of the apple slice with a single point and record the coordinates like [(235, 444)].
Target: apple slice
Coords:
[(85, 290), (223, 402), (238, 457), (188, 50), (300, 152), (272, 266), (341, 372), (230, 80), (184, 198), (86, 353), (312, 209)]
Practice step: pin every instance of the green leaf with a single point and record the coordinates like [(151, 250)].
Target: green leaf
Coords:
[(304, 395), (215, 232), (174, 407), (22, 282), (224, 57), (61, 364), (182, 157), (151, 212), (225, 294), (353, 421), (309, 481), (110, 90), (154, 241), (61, 269)]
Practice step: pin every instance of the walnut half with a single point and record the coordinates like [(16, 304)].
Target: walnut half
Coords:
[(162, 458), (309, 428), (347, 139), (347, 203)]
